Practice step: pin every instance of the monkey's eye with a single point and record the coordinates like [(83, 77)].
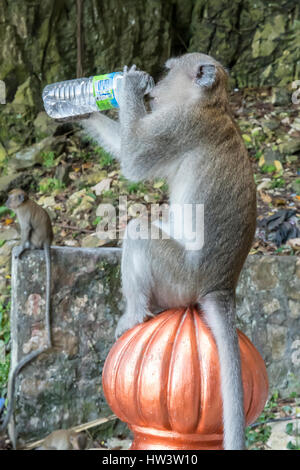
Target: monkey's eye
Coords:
[(21, 197)]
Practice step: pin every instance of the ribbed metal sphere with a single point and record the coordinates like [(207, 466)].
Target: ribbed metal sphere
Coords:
[(163, 379)]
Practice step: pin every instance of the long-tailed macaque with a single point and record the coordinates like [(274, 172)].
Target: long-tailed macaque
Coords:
[(36, 233), (190, 138), (64, 439)]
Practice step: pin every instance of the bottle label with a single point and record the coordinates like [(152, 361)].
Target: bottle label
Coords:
[(104, 91)]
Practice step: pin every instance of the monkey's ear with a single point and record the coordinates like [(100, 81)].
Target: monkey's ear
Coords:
[(170, 63), (206, 75)]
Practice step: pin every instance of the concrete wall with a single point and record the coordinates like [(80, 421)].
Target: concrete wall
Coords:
[(63, 387)]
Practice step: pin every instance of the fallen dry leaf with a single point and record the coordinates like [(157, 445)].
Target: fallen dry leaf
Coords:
[(87, 165), (278, 165), (8, 221), (104, 185), (265, 197), (279, 201), (261, 161)]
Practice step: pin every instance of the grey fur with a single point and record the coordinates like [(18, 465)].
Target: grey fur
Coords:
[(191, 139), (219, 311)]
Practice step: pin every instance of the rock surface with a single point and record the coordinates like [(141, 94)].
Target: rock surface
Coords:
[(268, 301), (280, 439), (63, 387), (258, 41)]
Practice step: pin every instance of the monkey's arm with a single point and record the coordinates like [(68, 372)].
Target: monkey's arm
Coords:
[(132, 105), (105, 131), (150, 142), (150, 146)]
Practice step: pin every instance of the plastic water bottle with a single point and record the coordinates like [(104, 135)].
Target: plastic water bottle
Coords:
[(84, 95)]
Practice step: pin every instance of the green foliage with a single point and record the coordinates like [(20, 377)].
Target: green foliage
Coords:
[(92, 195), (109, 194), (4, 322), (254, 140), (289, 429), (247, 141), (284, 248), (134, 188), (292, 446), (83, 155), (50, 184), (48, 159), (97, 220), (272, 402), (5, 210), (293, 429), (106, 159), (278, 183), (258, 137), (297, 183), (4, 338), (4, 372), (268, 169), (287, 409), (164, 188), (258, 435)]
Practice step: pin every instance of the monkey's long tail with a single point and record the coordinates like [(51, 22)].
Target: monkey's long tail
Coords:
[(48, 296), (12, 384), (29, 357), (219, 311)]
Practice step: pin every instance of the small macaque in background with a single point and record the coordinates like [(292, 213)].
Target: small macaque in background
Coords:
[(36, 233), (64, 439), (189, 138)]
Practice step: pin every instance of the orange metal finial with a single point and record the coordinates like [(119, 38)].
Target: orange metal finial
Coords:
[(162, 378)]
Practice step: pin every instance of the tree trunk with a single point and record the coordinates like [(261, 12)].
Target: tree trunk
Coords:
[(258, 41)]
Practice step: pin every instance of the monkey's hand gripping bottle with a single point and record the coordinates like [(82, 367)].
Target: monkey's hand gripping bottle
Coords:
[(84, 95)]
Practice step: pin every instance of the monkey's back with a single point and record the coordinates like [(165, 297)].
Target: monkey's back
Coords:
[(226, 188), (229, 223), (219, 176), (41, 227)]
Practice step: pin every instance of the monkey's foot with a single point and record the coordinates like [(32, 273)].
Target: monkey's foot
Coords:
[(18, 251)]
